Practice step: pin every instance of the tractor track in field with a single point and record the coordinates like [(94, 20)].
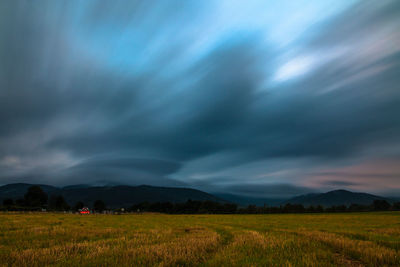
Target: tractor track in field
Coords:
[(225, 235), (344, 260), (347, 255)]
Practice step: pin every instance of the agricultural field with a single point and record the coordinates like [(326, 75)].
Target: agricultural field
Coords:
[(350, 239)]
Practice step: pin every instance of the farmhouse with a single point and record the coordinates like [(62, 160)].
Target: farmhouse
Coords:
[(84, 210)]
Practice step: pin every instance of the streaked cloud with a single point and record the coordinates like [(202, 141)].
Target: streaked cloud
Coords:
[(219, 95)]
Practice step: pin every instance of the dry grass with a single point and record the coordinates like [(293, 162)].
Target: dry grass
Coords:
[(364, 239)]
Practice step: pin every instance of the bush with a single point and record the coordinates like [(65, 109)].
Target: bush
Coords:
[(58, 203), (79, 205), (380, 205), (99, 205), (35, 197), (8, 202)]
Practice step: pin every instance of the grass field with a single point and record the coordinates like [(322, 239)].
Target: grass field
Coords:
[(352, 239)]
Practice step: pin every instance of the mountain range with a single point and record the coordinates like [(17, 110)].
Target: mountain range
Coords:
[(113, 196), (125, 196)]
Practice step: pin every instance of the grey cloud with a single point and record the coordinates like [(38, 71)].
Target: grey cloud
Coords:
[(160, 167), (111, 169), (200, 123), (117, 81)]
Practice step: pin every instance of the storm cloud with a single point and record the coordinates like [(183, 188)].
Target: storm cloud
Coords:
[(217, 95)]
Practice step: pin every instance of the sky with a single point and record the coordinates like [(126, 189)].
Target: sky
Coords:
[(258, 98)]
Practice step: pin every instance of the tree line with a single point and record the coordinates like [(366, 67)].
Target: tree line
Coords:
[(210, 207), (36, 199)]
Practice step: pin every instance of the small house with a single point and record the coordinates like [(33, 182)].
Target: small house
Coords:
[(84, 210)]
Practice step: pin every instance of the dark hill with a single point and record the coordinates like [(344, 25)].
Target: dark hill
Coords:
[(335, 198), (113, 196), (18, 190)]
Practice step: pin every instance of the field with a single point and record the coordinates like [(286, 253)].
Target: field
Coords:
[(352, 239)]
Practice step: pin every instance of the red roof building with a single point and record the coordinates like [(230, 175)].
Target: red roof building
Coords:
[(84, 210)]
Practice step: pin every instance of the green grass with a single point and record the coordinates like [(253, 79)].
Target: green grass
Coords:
[(351, 239)]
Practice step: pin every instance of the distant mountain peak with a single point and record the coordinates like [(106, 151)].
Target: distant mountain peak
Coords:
[(73, 186), (336, 198), (339, 191)]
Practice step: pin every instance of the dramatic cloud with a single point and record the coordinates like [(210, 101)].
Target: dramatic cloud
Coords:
[(224, 96)]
